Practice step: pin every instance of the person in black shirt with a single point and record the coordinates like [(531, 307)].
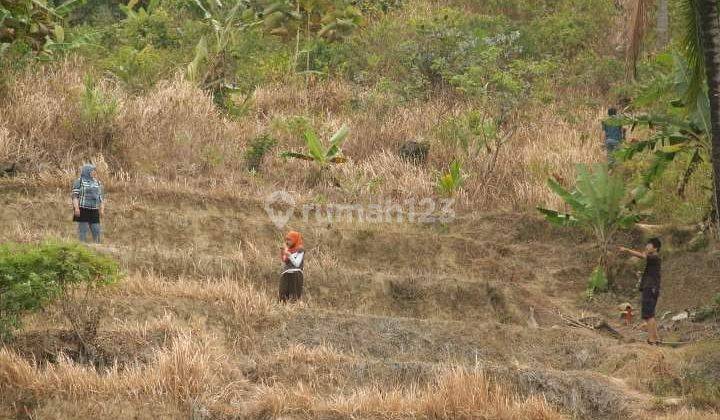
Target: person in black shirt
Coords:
[(649, 284)]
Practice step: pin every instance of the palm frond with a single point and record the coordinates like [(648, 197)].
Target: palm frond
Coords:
[(692, 43), (695, 160)]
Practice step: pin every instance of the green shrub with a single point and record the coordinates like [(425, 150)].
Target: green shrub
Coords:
[(149, 27), (32, 275), (469, 132), (139, 69), (566, 27), (450, 182), (257, 150), (598, 282), (96, 106), (377, 6)]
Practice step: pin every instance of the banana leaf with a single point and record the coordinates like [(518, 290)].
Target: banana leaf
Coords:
[(337, 140), (201, 53), (315, 147), (557, 218), (566, 195)]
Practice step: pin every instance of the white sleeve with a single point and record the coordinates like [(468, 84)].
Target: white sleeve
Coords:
[(297, 258)]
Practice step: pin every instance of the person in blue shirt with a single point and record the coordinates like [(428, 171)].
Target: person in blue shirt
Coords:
[(614, 135)]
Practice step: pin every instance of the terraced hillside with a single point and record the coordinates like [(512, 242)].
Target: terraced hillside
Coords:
[(399, 321)]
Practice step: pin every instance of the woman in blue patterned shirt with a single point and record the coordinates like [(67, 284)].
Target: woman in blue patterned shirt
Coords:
[(88, 203)]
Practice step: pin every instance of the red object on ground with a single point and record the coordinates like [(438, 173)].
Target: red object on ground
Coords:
[(627, 315)]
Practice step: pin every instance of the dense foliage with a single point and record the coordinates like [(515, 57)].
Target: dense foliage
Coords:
[(501, 49)]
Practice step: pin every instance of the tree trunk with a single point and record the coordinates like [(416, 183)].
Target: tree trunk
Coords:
[(709, 20), (662, 24)]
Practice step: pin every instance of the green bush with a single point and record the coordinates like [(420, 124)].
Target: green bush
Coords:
[(257, 150), (96, 106), (451, 182), (470, 132), (598, 282), (32, 275), (140, 69), (154, 27)]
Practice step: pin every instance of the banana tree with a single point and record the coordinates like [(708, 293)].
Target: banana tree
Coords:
[(669, 140), (212, 65), (318, 153), (322, 18), (598, 203)]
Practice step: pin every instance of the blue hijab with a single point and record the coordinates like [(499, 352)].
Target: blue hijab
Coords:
[(86, 172)]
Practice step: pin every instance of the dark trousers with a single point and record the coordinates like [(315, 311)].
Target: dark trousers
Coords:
[(649, 300), (291, 286)]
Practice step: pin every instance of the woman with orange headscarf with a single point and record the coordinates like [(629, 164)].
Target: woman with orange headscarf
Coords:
[(293, 259)]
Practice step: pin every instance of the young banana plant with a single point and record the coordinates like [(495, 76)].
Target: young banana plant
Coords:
[(318, 153), (598, 204)]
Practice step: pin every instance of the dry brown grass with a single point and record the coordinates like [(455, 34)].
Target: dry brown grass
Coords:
[(686, 414), (172, 131), (457, 393), (193, 370), (173, 138), (244, 302)]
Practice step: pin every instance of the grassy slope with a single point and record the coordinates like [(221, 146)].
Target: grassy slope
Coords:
[(399, 321), (373, 323)]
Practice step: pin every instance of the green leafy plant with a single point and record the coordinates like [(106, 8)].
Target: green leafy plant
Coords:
[(598, 204), (682, 131), (318, 153), (450, 182), (213, 62), (138, 69), (258, 148), (598, 282), (326, 19), (98, 110), (711, 311), (31, 276), (36, 24), (96, 106)]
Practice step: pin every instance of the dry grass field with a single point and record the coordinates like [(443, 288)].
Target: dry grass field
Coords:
[(463, 319), (386, 330)]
